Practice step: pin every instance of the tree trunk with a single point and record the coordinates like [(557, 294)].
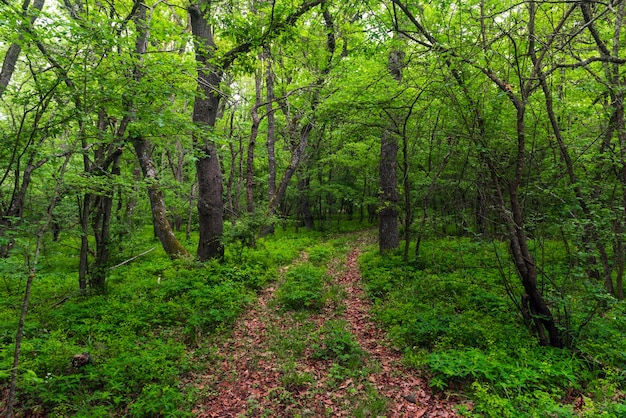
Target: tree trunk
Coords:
[(388, 234), (205, 109), (523, 259), (13, 53), (26, 300), (143, 149), (210, 72), (233, 184), (616, 122), (83, 263), (162, 226), (271, 126), (297, 154), (254, 132), (101, 225), (305, 202)]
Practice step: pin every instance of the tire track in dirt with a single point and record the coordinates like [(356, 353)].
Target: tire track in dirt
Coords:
[(409, 395), (247, 377)]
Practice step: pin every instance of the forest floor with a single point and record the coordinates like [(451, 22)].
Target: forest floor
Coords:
[(334, 362)]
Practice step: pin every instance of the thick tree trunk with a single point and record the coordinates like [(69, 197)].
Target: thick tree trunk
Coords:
[(388, 235), (205, 109), (210, 73), (210, 206)]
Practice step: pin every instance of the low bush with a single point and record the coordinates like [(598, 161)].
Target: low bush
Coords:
[(303, 288), (338, 344)]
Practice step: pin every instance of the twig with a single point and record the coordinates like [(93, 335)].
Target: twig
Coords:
[(65, 299), (132, 258)]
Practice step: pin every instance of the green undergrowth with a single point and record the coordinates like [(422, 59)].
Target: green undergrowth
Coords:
[(451, 315), (295, 340), (139, 334)]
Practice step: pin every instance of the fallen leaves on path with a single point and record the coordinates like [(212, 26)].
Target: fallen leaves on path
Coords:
[(410, 395), (249, 377)]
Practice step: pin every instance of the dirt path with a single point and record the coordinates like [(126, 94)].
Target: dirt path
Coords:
[(272, 367)]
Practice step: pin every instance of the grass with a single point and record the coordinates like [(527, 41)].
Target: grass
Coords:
[(139, 334), (449, 312)]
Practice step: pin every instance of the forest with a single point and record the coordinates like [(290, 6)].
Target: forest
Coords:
[(451, 173)]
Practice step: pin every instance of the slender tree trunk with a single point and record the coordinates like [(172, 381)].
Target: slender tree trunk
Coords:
[(297, 155), (617, 124), (271, 126), (101, 225), (83, 263), (29, 282), (305, 202), (522, 256), (254, 132), (162, 226), (232, 184), (177, 165), (620, 128), (143, 149), (11, 218), (388, 234), (13, 53)]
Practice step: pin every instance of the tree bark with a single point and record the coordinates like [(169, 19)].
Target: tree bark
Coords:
[(305, 202), (162, 226), (388, 234), (205, 110), (13, 53), (271, 125), (616, 125), (512, 214), (210, 72), (254, 133), (297, 154)]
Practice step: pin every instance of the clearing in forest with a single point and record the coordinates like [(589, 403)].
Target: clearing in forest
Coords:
[(308, 348)]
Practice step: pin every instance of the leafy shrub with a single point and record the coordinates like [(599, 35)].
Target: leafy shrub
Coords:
[(303, 288), (321, 253), (338, 344), (158, 401), (215, 307)]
